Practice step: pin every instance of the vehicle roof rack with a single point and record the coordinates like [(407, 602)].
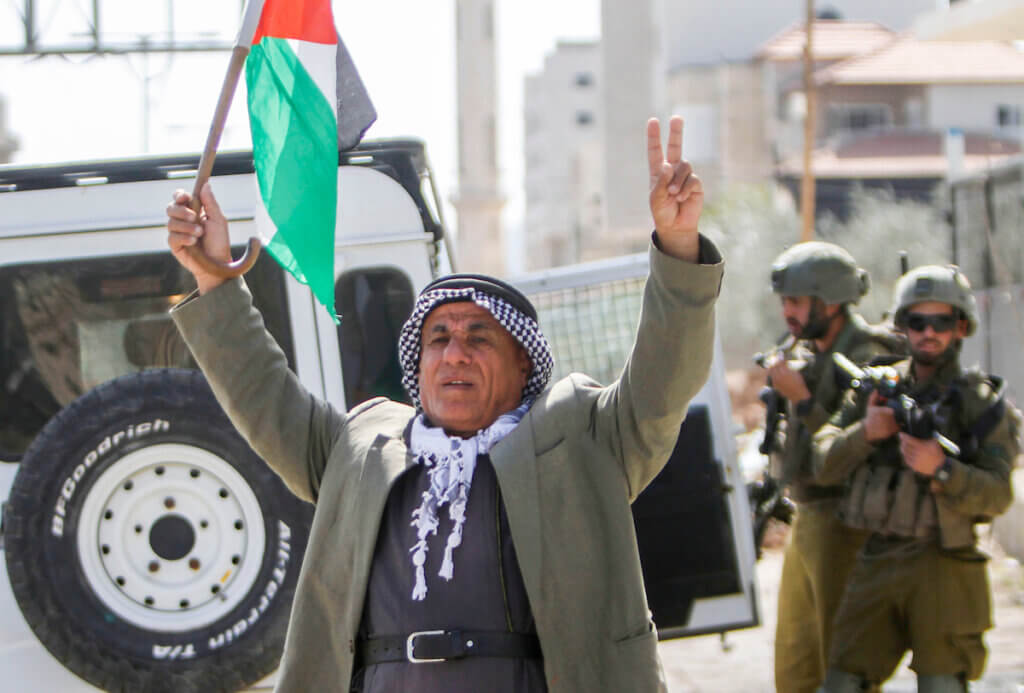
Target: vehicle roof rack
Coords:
[(404, 160)]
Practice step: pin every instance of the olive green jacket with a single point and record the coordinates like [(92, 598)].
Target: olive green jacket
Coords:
[(859, 342), (568, 473), (978, 487)]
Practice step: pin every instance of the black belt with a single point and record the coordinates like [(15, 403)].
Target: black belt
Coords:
[(440, 645)]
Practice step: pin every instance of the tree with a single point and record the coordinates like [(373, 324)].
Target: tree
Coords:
[(753, 225)]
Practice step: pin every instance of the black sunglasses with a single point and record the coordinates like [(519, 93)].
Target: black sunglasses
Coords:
[(918, 322)]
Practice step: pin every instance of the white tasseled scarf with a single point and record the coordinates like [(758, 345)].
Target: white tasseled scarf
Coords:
[(450, 462)]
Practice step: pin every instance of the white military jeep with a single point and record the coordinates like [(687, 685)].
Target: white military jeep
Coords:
[(147, 547)]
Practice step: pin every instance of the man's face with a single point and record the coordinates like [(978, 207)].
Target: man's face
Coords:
[(796, 311), (931, 328), (471, 369)]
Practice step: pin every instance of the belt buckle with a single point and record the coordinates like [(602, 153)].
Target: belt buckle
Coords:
[(410, 645)]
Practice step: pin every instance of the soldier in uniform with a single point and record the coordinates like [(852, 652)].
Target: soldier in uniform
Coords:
[(920, 582), (818, 283)]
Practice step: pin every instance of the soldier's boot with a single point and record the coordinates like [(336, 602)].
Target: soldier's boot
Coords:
[(837, 681), (940, 683)]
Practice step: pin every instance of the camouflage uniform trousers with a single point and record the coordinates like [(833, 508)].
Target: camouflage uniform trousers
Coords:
[(819, 558), (928, 602)]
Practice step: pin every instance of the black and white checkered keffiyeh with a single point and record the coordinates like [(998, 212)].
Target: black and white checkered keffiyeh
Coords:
[(450, 461), (522, 327)]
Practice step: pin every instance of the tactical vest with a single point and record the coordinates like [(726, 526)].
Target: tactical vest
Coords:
[(791, 461), (887, 497)]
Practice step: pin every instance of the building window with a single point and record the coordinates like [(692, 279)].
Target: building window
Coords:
[(858, 116), (584, 118), (1007, 116), (913, 111), (584, 79)]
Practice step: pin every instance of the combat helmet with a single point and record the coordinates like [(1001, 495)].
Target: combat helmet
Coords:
[(935, 283), (819, 269)]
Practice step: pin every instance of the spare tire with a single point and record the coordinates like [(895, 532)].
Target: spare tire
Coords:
[(148, 547)]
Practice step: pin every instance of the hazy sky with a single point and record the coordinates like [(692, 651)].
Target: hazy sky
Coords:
[(93, 107)]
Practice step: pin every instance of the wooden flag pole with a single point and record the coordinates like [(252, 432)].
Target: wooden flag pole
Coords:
[(227, 92), (807, 191)]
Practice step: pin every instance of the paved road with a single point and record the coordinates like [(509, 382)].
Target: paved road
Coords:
[(744, 664)]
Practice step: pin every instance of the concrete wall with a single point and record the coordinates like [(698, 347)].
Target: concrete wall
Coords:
[(563, 166), (997, 348), (728, 120), (970, 106)]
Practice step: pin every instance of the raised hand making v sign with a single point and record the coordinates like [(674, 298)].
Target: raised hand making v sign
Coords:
[(677, 194)]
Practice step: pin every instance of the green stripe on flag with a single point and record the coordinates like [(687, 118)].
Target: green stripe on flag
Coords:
[(295, 151)]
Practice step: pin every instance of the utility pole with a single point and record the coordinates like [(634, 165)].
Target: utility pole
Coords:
[(807, 182)]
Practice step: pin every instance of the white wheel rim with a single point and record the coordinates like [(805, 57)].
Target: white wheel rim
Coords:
[(134, 524)]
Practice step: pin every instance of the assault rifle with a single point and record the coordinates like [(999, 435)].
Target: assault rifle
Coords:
[(768, 500), (767, 496), (911, 417), (773, 401)]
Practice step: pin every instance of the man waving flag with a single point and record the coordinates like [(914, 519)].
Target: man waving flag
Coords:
[(291, 78), (306, 101)]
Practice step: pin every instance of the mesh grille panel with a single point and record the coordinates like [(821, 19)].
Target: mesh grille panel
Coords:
[(591, 328)]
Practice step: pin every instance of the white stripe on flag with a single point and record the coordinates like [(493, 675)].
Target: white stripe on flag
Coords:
[(320, 60), (265, 226)]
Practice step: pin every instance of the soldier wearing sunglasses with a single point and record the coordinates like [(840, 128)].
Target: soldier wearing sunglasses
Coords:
[(818, 285), (920, 583)]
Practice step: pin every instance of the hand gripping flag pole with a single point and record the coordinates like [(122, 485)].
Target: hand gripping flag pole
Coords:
[(250, 19), (306, 102)]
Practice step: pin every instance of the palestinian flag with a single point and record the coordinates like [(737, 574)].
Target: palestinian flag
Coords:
[(291, 77)]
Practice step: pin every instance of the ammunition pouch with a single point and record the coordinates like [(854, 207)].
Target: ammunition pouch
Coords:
[(878, 498), (851, 509), (897, 502), (955, 530), (887, 497)]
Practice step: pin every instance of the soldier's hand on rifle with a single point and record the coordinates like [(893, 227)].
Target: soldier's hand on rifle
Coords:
[(788, 382), (209, 230), (677, 194), (923, 455), (880, 421)]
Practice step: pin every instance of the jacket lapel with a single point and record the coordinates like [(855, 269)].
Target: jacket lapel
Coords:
[(386, 459), (516, 467)]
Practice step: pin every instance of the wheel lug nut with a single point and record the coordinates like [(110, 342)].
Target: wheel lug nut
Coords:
[(193, 563), (169, 503), (153, 566)]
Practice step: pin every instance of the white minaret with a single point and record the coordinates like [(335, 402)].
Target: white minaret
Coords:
[(634, 72), (478, 201)]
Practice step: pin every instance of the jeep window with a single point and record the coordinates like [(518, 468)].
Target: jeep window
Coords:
[(373, 304), (66, 327)]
